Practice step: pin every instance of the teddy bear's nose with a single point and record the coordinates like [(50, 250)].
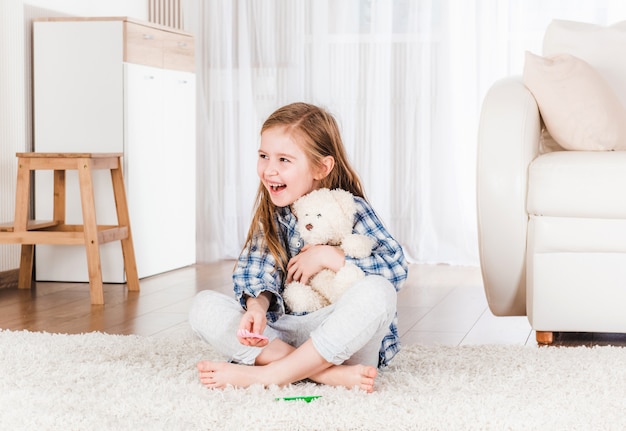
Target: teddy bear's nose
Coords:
[(309, 226)]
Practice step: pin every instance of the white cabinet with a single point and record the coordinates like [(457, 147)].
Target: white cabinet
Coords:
[(118, 85)]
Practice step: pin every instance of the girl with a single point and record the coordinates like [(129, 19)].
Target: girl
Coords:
[(342, 344)]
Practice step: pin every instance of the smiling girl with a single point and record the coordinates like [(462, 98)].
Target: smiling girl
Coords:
[(342, 344)]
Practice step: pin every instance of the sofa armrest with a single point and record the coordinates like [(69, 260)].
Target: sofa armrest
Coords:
[(508, 140)]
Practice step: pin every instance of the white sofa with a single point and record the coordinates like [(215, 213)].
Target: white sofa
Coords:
[(551, 185)]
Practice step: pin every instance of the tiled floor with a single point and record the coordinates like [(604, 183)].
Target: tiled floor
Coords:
[(439, 304), (443, 304)]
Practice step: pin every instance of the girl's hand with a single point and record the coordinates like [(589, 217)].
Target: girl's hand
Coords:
[(254, 319), (312, 259)]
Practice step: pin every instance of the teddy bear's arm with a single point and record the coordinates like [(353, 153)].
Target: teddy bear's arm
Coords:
[(357, 245)]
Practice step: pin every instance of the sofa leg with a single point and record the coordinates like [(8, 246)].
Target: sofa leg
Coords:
[(545, 337)]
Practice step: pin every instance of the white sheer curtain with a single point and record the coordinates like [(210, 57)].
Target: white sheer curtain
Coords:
[(405, 79)]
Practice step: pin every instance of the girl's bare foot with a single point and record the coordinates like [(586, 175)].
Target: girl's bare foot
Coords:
[(218, 375), (348, 376)]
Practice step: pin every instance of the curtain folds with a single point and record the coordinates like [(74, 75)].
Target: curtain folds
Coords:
[(405, 79)]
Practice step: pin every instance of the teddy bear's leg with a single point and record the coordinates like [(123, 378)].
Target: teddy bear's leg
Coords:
[(300, 298), (342, 281), (323, 283)]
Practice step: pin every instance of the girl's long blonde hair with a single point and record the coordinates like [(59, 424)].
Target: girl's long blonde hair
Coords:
[(319, 137)]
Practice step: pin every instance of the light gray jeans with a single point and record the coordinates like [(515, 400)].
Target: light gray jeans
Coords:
[(349, 331)]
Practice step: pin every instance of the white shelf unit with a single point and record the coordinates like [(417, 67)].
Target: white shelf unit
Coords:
[(119, 85)]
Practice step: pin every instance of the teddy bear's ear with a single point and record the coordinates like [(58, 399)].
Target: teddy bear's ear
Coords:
[(345, 200), (310, 200), (295, 206)]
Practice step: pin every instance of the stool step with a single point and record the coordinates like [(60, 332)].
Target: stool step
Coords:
[(63, 234), (32, 225)]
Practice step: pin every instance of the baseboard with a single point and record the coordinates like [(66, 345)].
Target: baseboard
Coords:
[(8, 279)]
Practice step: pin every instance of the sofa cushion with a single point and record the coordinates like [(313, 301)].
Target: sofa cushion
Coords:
[(579, 184), (602, 47), (579, 108)]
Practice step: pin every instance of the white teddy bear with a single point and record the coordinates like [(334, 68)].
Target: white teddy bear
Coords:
[(327, 217)]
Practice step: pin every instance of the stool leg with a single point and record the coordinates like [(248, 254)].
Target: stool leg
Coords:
[(22, 202), (123, 219), (90, 227), (22, 195), (25, 278), (59, 197)]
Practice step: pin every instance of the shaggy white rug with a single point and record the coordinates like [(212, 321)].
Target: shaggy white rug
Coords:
[(107, 382)]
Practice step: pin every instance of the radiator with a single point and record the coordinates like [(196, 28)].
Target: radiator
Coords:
[(165, 12)]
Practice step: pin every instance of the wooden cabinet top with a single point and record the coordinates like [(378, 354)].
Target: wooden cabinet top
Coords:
[(147, 43), (114, 18)]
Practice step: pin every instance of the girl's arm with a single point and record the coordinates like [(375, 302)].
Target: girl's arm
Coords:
[(256, 273), (387, 258), (312, 259)]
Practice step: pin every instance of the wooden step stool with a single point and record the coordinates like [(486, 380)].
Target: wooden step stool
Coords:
[(30, 232)]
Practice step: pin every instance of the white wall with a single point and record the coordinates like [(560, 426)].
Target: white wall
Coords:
[(16, 84)]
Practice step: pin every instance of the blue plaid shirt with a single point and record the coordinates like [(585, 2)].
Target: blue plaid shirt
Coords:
[(257, 270)]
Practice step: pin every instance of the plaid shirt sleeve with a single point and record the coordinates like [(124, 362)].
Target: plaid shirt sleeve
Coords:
[(257, 272), (387, 258)]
